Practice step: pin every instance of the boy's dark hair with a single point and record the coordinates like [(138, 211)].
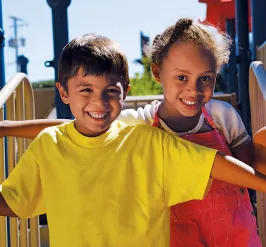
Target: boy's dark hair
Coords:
[(96, 55), (206, 36)]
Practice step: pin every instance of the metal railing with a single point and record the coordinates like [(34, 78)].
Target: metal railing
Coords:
[(140, 101), (257, 94), (17, 103)]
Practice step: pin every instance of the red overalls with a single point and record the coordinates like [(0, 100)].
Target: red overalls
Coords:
[(225, 218)]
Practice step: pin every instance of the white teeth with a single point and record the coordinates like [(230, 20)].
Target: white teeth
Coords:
[(97, 115), (190, 102)]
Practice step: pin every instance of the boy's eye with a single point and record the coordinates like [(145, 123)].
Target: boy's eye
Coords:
[(113, 90), (182, 78), (86, 90), (205, 78)]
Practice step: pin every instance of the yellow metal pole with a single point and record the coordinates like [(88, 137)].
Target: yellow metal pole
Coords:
[(20, 115), (30, 114), (11, 155), (3, 232)]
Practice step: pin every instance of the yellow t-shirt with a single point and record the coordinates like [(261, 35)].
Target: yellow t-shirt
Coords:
[(113, 190)]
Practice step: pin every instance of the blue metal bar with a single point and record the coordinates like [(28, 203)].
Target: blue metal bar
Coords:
[(243, 53), (258, 10), (231, 66), (2, 45), (22, 62), (2, 83), (60, 38)]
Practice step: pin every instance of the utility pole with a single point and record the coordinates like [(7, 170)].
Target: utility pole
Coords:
[(16, 42)]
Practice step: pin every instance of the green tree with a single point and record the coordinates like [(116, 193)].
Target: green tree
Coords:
[(43, 84), (144, 84)]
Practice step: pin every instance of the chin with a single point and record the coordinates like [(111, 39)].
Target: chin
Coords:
[(189, 114), (100, 128)]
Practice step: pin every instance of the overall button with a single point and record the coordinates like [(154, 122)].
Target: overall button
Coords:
[(242, 191)]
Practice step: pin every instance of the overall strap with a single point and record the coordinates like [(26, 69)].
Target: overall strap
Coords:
[(208, 117), (156, 122)]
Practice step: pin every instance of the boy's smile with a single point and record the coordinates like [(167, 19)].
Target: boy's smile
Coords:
[(95, 101)]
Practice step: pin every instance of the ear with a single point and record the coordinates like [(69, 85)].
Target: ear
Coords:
[(156, 72), (62, 92), (126, 92)]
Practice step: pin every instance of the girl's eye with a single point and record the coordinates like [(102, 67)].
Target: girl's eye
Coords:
[(205, 78), (182, 78), (86, 90)]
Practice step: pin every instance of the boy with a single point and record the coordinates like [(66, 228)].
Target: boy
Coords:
[(102, 183)]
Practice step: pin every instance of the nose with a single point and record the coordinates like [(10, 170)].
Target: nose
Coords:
[(100, 100), (194, 87)]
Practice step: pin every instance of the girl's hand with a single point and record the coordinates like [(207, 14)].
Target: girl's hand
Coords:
[(28, 128), (2, 129)]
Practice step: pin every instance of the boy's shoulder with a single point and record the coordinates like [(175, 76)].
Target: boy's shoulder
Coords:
[(145, 130), (54, 131)]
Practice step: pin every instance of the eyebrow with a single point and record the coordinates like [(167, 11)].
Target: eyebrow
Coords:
[(91, 85), (185, 71), (84, 85)]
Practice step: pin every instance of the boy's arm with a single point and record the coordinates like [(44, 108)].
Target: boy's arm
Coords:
[(259, 150), (28, 128), (188, 168), (260, 137), (254, 153), (5, 209), (22, 189), (231, 170)]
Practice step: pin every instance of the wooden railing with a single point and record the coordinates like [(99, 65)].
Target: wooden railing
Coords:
[(17, 103), (257, 94)]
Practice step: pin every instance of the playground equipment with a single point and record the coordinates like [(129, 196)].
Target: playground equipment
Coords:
[(17, 95), (232, 14), (60, 34), (257, 91)]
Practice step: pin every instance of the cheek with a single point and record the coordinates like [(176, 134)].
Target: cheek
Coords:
[(167, 84), (118, 104), (173, 89), (79, 102), (208, 91)]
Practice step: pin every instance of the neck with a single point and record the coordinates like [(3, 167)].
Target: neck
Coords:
[(175, 120)]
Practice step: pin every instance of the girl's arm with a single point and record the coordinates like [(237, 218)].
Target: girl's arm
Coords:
[(231, 170), (28, 128), (245, 153)]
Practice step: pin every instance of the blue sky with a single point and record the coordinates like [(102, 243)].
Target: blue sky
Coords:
[(117, 19)]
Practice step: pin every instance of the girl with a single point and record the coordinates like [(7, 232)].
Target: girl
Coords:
[(185, 59)]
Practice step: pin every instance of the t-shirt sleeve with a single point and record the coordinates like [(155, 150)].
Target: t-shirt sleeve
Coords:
[(22, 189), (143, 115), (187, 169), (229, 122)]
